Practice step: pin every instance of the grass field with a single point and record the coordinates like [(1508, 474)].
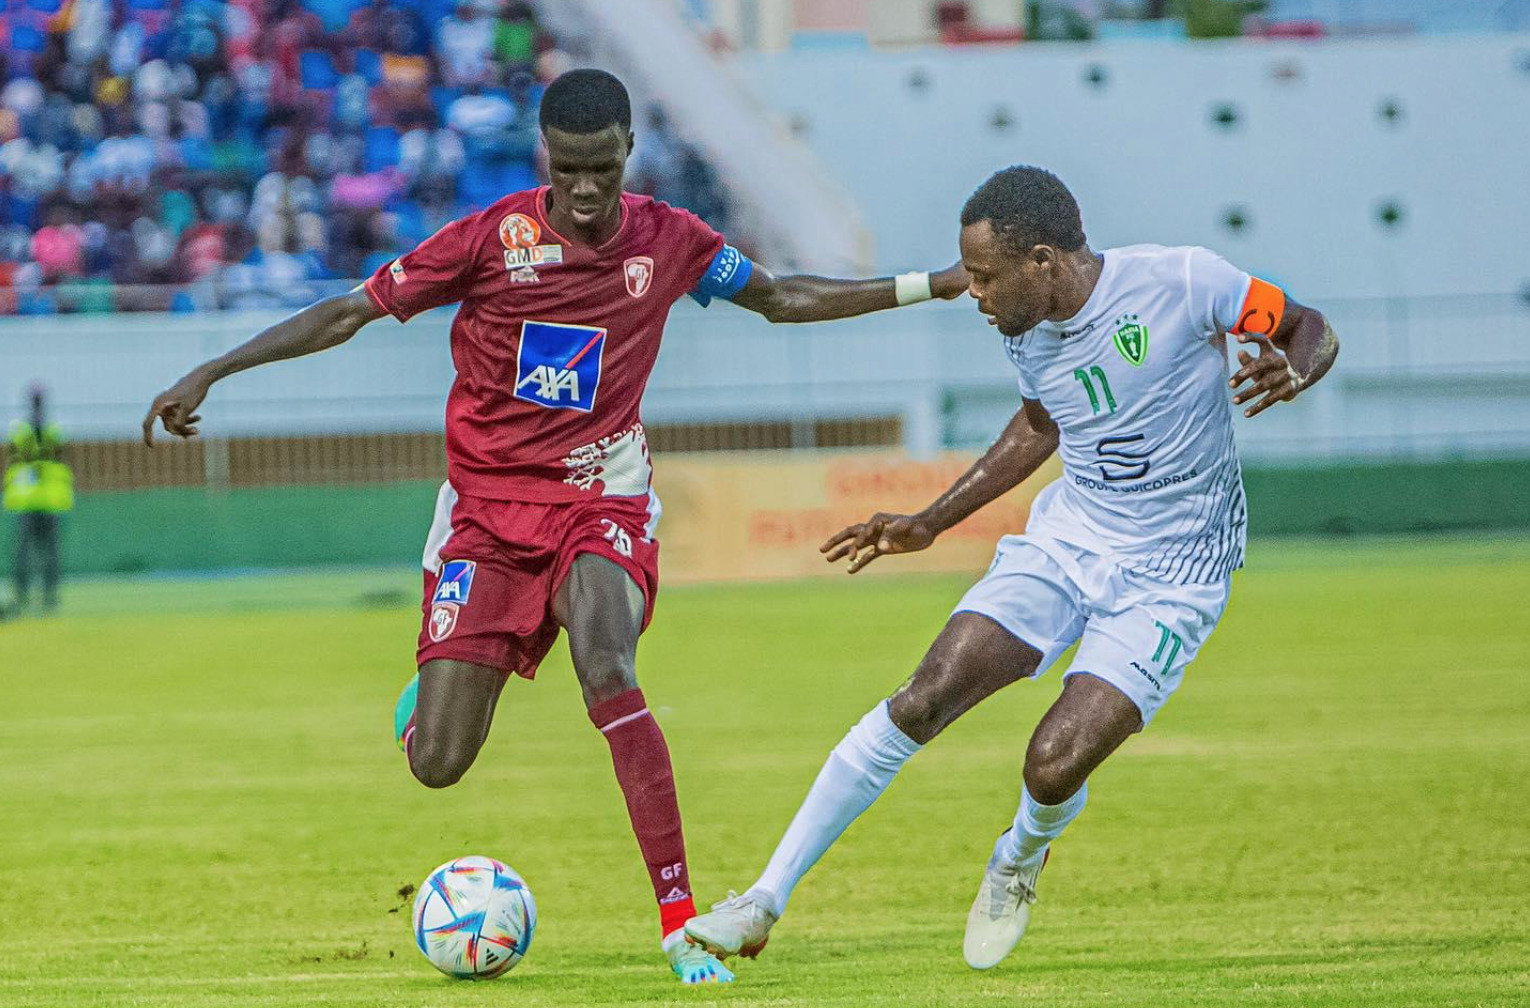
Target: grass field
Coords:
[(201, 804)]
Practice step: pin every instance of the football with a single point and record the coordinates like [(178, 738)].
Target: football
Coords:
[(474, 918)]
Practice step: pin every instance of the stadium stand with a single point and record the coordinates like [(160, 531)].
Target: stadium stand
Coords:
[(192, 154)]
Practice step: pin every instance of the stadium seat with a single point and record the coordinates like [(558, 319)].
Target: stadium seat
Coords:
[(25, 38), (318, 70), (381, 148), (409, 220), (149, 5), (335, 14), (46, 6), (374, 260), (482, 184), (36, 303), (369, 66)]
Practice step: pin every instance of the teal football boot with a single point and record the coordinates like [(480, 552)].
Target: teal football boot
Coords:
[(403, 712)]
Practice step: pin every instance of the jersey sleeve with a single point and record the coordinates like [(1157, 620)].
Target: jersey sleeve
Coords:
[(438, 272), (695, 244), (1224, 299)]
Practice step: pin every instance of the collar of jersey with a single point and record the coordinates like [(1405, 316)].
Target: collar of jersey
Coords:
[(1092, 305), (541, 212)]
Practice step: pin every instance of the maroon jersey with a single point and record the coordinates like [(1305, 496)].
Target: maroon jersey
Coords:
[(553, 343)]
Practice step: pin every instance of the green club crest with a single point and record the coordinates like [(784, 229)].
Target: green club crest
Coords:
[(1132, 339)]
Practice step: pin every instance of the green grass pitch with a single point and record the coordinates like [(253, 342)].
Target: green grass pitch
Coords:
[(201, 804)]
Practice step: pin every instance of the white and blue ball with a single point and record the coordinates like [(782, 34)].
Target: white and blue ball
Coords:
[(474, 918)]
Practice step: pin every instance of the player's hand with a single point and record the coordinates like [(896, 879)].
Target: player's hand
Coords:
[(949, 283), (176, 406), (884, 533), (1273, 376)]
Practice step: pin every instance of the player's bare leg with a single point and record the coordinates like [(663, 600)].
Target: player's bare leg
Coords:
[(1087, 723), (973, 658), (443, 718), (601, 609)]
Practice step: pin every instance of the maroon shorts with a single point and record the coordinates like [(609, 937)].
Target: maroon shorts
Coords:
[(489, 600)]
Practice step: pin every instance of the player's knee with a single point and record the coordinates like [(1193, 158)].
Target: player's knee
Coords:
[(929, 701), (605, 673), (439, 764), (1053, 769)]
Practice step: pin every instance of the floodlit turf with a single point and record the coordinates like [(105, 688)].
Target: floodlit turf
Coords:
[(201, 804)]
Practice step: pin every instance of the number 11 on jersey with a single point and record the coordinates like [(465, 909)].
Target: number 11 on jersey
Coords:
[(1094, 398)]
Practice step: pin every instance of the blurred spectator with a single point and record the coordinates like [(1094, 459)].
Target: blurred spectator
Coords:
[(464, 41), (247, 149), (59, 247), (384, 26), (657, 157)]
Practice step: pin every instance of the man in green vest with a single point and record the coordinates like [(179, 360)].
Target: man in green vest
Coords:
[(38, 489)]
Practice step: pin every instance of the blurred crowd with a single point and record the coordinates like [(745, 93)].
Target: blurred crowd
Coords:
[(191, 154)]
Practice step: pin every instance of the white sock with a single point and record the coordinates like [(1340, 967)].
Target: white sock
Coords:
[(1037, 825), (855, 774)]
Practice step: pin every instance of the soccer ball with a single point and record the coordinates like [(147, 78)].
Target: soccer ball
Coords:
[(473, 918)]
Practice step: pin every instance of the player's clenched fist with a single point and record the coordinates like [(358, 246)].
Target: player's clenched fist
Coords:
[(883, 533)]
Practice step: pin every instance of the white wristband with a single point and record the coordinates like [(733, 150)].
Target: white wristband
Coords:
[(912, 288)]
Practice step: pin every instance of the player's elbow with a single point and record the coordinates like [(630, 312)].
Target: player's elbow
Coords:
[(785, 305), (779, 309), (345, 314)]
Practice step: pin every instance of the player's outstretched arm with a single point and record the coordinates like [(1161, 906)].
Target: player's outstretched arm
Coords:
[(1296, 355), (805, 298), (1027, 442), (321, 325)]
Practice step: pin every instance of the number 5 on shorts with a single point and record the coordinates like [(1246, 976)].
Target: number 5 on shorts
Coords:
[(1165, 635)]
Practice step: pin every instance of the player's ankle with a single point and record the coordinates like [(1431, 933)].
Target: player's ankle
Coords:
[(672, 916), (767, 899)]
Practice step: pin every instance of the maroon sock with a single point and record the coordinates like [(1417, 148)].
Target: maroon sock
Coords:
[(643, 771)]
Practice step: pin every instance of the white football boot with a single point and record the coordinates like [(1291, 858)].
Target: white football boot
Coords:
[(998, 917), (739, 925)]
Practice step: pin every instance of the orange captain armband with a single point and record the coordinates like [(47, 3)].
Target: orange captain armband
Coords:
[(1262, 310)]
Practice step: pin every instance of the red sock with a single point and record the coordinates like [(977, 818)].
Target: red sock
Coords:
[(643, 771)]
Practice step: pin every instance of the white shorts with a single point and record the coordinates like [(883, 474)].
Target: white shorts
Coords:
[(1135, 632)]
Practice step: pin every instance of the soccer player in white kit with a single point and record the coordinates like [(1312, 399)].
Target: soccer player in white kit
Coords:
[(1123, 370)]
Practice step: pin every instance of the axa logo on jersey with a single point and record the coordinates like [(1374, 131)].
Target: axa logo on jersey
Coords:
[(558, 365), (456, 581)]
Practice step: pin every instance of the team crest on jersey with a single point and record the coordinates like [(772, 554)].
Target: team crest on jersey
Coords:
[(558, 365), (443, 620), (456, 582), (396, 271), (638, 272), (517, 231), (1132, 339)]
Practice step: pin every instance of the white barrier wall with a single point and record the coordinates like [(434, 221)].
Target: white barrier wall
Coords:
[(1424, 376), (1308, 142)]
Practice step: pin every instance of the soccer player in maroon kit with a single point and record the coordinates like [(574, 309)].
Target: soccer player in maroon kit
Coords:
[(546, 521)]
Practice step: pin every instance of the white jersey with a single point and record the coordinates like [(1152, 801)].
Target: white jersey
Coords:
[(1137, 384)]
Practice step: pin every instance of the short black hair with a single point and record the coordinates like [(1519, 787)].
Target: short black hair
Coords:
[(1027, 206), (586, 101)]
